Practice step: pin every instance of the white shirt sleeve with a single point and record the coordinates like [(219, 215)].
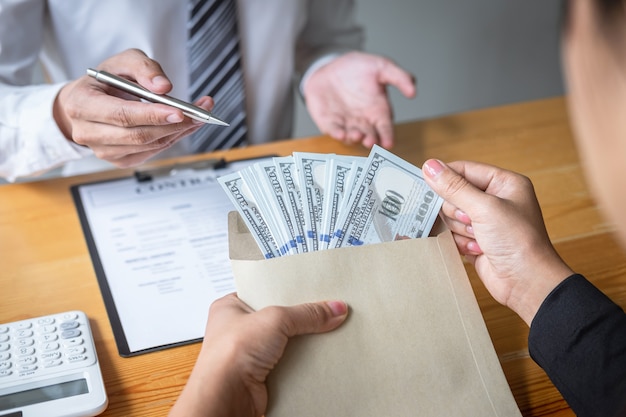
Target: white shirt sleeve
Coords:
[(30, 141)]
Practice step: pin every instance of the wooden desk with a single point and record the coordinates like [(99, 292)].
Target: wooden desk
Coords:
[(46, 266)]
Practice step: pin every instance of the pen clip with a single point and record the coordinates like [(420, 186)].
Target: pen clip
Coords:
[(150, 174)]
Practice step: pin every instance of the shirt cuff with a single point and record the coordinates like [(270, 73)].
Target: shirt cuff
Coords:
[(46, 146)]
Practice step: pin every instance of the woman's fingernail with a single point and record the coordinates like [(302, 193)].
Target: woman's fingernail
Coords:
[(339, 308), (472, 246), (461, 216), (433, 167)]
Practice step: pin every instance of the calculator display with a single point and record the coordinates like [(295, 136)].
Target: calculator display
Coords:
[(39, 395)]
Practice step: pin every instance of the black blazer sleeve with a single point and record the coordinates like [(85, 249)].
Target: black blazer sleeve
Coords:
[(578, 337)]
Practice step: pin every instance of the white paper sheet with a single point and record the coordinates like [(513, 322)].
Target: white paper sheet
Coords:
[(163, 247)]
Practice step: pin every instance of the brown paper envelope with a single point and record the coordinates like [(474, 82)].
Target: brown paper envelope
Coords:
[(414, 343)]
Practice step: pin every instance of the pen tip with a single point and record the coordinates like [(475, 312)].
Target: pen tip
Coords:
[(218, 122)]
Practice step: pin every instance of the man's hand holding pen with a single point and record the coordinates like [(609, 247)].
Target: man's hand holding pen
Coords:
[(117, 126)]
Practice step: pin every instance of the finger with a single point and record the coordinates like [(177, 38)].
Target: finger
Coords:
[(94, 101), (354, 135), (99, 134), (370, 140), (332, 126), (453, 212), (479, 174), (125, 113), (467, 246), (454, 187), (363, 131), (458, 228), (384, 132), (313, 317), (135, 65), (497, 181), (206, 102), (131, 156), (360, 130), (394, 75)]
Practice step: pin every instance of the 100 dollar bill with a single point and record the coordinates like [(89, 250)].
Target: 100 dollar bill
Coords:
[(391, 202)]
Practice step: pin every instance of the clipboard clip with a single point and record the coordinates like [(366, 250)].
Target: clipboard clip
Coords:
[(150, 174)]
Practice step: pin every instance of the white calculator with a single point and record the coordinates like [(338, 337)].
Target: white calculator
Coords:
[(49, 368)]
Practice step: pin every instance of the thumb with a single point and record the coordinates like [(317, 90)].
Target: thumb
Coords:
[(451, 186), (145, 70), (314, 317)]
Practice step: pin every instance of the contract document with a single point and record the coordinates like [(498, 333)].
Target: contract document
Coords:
[(159, 246)]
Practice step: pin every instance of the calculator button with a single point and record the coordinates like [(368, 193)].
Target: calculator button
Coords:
[(48, 347), (68, 334), (50, 356), (27, 368), (50, 364), (49, 337), (5, 356), (69, 325), (5, 373), (4, 338), (75, 350), (48, 329), (70, 316), (4, 347), (25, 342), (76, 358), (23, 325), (28, 360), (24, 333), (73, 342), (4, 329), (45, 321), (26, 351), (5, 365)]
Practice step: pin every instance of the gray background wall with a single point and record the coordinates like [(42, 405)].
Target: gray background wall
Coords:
[(466, 54)]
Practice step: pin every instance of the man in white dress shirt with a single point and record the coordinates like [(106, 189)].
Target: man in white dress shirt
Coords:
[(77, 123)]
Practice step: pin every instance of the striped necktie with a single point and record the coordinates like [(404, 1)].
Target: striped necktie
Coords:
[(215, 70)]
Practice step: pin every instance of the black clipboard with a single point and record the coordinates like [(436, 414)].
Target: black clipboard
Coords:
[(171, 183)]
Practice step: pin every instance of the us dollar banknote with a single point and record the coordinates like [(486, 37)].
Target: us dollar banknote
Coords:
[(240, 195), (263, 195), (311, 201), (277, 202), (311, 169), (339, 180), (288, 178), (390, 202)]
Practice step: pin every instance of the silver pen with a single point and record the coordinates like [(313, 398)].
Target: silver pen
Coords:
[(188, 109)]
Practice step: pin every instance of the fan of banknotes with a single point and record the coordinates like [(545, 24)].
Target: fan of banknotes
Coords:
[(311, 201)]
